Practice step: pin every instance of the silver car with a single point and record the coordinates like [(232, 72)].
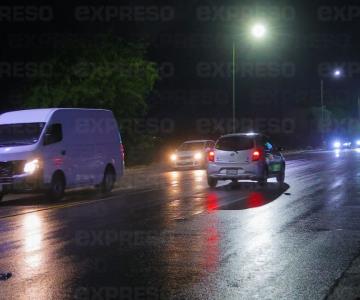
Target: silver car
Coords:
[(192, 154), (245, 156)]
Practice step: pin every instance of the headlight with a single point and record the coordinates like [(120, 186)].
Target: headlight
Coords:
[(358, 142), (32, 166), (198, 156), (337, 145), (173, 157)]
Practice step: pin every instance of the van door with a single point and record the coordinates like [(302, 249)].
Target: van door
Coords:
[(55, 154), (80, 137)]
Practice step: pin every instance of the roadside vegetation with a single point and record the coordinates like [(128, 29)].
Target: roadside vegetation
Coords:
[(110, 74)]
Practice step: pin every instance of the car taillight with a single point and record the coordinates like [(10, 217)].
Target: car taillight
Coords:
[(122, 151), (211, 156), (256, 155)]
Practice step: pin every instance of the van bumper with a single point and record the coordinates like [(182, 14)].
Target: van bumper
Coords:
[(22, 183)]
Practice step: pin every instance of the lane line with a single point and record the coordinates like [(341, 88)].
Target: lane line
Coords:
[(72, 204)]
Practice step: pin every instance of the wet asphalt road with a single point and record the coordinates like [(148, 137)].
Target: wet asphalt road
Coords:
[(168, 235)]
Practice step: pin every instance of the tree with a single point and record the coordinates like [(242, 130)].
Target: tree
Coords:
[(110, 73)]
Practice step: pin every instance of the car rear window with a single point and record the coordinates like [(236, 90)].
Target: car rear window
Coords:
[(235, 143)]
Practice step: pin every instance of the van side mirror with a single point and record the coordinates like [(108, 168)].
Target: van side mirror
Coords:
[(280, 149)]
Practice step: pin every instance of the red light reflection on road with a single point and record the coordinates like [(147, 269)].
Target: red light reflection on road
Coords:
[(212, 202), (255, 199), (212, 250)]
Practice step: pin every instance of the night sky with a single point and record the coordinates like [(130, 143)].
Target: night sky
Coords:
[(191, 41)]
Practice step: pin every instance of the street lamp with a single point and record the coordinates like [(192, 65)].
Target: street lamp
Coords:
[(336, 74), (258, 32)]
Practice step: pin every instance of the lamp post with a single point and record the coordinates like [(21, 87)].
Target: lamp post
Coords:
[(258, 32), (233, 85), (336, 74)]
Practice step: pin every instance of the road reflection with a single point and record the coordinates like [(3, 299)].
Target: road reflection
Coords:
[(212, 202), (251, 195), (180, 186), (200, 250), (33, 236), (255, 199), (32, 233), (211, 247), (337, 153)]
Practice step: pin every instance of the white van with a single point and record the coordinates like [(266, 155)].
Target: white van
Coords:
[(54, 149)]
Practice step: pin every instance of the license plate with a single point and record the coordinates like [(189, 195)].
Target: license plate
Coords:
[(276, 167), (231, 172)]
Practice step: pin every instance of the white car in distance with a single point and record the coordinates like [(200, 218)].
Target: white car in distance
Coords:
[(192, 153)]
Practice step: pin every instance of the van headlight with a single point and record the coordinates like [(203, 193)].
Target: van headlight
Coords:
[(32, 166), (197, 156)]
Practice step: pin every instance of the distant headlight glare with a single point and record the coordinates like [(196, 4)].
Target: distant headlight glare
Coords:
[(337, 145)]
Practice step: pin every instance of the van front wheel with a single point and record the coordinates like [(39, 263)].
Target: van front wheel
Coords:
[(108, 181), (57, 187)]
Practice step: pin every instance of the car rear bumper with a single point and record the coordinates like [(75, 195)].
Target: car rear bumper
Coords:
[(253, 171), (236, 177)]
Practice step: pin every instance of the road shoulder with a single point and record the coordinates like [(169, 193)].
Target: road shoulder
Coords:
[(347, 286)]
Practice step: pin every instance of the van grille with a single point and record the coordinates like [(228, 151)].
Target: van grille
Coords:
[(10, 168)]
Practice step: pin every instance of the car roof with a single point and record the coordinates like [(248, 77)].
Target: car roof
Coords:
[(248, 134), (197, 141)]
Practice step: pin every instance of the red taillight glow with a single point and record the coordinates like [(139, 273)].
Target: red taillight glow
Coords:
[(256, 155), (122, 151), (211, 156)]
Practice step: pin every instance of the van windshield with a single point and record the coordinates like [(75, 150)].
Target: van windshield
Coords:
[(20, 134), (235, 143)]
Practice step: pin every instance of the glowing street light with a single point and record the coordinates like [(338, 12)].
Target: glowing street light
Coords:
[(258, 31), (337, 73)]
